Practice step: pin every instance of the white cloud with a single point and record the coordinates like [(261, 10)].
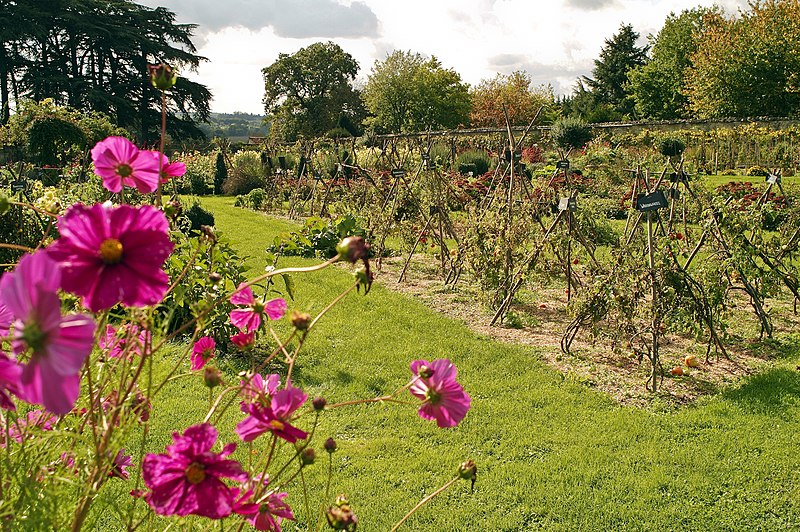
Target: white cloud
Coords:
[(555, 42)]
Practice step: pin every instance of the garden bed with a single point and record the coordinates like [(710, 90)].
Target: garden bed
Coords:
[(542, 319)]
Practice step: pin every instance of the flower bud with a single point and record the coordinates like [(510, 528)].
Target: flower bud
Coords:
[(308, 456), (468, 471), (5, 204), (141, 405), (173, 209), (353, 249), (364, 278), (425, 372), (330, 445), (300, 320), (162, 76), (341, 516), (209, 233), (319, 403), (212, 376)]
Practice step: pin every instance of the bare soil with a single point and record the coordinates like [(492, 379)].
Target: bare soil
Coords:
[(616, 371)]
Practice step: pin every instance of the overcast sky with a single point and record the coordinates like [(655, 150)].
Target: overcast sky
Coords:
[(556, 41)]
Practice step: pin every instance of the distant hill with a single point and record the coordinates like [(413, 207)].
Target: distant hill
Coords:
[(235, 126)]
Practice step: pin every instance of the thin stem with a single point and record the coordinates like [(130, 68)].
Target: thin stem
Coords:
[(185, 269), (305, 495), (26, 249), (161, 145), (360, 402), (219, 300), (331, 305), (423, 501)]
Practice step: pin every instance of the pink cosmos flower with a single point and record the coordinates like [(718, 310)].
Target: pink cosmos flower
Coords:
[(258, 389), (35, 419), (119, 467), (443, 398), (249, 319), (10, 373), (67, 460), (268, 514), (243, 340), (119, 162), (128, 339), (202, 351), (188, 479), (58, 345), (274, 418), (113, 254), (168, 169)]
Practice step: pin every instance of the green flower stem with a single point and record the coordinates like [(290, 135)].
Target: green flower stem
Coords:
[(424, 501), (181, 275), (161, 145), (219, 300)]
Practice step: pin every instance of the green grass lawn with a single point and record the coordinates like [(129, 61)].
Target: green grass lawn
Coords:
[(552, 453)]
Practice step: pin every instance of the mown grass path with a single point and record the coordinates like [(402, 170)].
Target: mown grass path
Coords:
[(551, 453)]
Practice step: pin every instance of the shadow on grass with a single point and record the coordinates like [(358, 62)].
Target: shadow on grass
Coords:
[(777, 348), (772, 392)]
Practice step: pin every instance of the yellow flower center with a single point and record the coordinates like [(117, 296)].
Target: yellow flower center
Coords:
[(33, 335), (124, 170), (277, 425), (111, 251), (432, 397), (195, 473)]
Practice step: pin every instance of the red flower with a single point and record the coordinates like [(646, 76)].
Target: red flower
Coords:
[(274, 418), (444, 400), (188, 479), (249, 319), (119, 162), (202, 351), (113, 254)]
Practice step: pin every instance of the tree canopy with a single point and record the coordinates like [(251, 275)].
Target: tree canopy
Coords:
[(93, 54), (310, 92), (516, 92), (748, 66), (619, 55), (657, 87), (409, 92)]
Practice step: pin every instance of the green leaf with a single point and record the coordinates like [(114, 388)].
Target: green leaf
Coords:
[(289, 283)]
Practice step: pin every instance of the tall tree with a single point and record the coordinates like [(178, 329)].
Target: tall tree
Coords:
[(516, 92), (748, 66), (307, 92), (610, 74), (93, 54), (657, 87), (408, 92)]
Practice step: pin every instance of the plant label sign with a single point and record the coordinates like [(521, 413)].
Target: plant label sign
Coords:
[(651, 202), (433, 210), (18, 185), (282, 162), (508, 154), (773, 179), (563, 164), (426, 157), (398, 173), (673, 193), (568, 204)]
